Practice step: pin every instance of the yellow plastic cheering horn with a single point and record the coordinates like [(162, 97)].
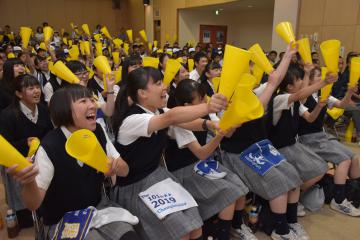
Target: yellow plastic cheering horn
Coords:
[(236, 61), (9, 156), (63, 72), (330, 51), (258, 57), (84, 146)]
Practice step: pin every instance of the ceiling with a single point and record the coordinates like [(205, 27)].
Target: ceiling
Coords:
[(239, 5)]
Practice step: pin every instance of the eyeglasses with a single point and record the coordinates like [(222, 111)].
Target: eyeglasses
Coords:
[(82, 74)]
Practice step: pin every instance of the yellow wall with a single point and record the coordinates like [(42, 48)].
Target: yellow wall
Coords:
[(338, 19), (251, 26), (59, 13)]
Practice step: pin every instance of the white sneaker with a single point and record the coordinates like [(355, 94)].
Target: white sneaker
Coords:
[(299, 230), (243, 233), (345, 207), (301, 210), (290, 236)]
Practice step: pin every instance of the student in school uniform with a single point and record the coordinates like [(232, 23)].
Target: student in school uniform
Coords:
[(20, 122), (284, 113), (130, 64), (212, 70), (180, 75), (58, 183), (200, 61), (42, 72), (141, 138), (312, 134), (214, 190), (11, 69), (105, 108), (277, 181)]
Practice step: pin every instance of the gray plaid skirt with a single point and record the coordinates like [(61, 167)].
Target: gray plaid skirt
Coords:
[(114, 230), (307, 163), (173, 226), (327, 148), (212, 196), (277, 181)]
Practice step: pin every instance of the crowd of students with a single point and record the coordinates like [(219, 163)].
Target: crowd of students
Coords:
[(167, 137)]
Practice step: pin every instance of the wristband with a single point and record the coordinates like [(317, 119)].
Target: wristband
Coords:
[(110, 92)]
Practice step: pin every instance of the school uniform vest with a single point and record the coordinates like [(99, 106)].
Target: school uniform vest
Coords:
[(171, 100), (285, 131), (177, 158), (73, 187), (244, 136), (143, 155), (206, 86), (55, 85), (316, 126)]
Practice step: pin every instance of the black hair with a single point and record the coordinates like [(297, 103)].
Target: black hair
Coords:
[(137, 79), (208, 67), (349, 56), (184, 92), (132, 60), (21, 82), (292, 74), (39, 59), (272, 51), (7, 82), (61, 101), (76, 66), (161, 59), (199, 55)]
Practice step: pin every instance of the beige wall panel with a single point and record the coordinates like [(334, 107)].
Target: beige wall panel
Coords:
[(345, 34), (199, 3), (356, 45), (311, 12), (309, 30), (341, 12)]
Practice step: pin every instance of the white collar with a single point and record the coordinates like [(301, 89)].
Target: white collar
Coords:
[(58, 80), (174, 84), (32, 116), (99, 81)]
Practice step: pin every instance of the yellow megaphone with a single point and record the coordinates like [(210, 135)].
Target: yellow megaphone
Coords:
[(63, 72), (25, 33), (126, 48), (48, 33), (62, 31), (304, 50), (150, 62), (349, 131), (42, 46), (150, 47), (258, 57), (72, 25), (236, 61), (118, 75), (159, 51), (87, 47), (11, 55), (335, 112), (129, 33), (51, 67), (34, 145), (216, 83), (116, 57), (84, 146), (82, 49), (74, 52), (117, 42), (143, 35), (172, 67), (258, 73), (9, 156), (105, 31), (102, 63), (191, 64), (245, 105), (330, 51), (98, 47), (65, 41), (354, 71), (86, 29), (91, 72), (70, 42), (97, 37), (286, 32), (325, 91), (155, 43)]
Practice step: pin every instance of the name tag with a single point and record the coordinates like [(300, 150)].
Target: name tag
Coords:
[(261, 157), (166, 197), (74, 225)]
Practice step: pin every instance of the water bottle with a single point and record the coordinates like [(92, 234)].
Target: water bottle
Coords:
[(12, 224), (253, 219)]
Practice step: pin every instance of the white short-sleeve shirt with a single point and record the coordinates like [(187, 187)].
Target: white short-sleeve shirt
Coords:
[(330, 102), (46, 168), (281, 102)]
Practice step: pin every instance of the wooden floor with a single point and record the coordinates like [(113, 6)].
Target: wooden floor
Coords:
[(325, 224)]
